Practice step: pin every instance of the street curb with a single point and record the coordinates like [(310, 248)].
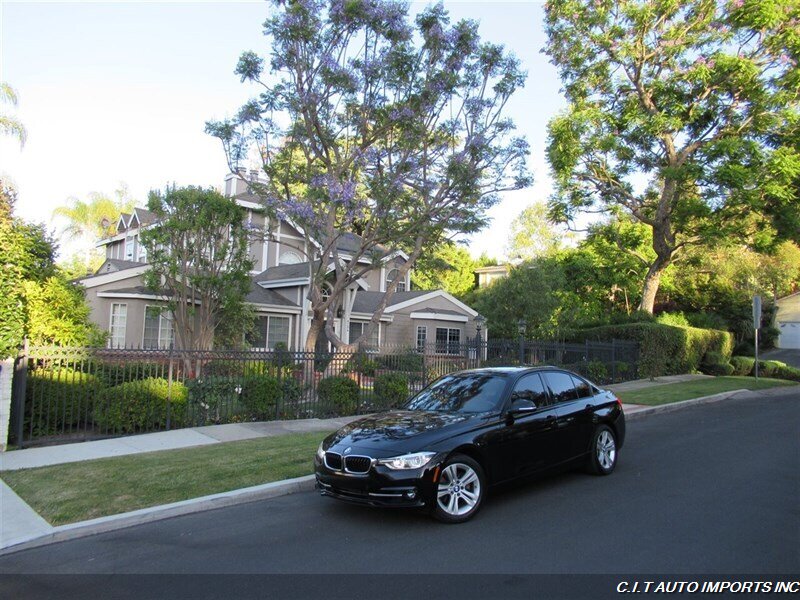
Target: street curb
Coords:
[(673, 406), (164, 511)]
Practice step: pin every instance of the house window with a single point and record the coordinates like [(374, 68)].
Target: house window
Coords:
[(269, 332), (119, 318), (142, 257), (422, 337), (394, 274), (129, 244), (448, 341), (290, 258), (357, 329), (159, 331)]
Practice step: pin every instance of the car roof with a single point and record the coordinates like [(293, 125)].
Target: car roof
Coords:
[(508, 370)]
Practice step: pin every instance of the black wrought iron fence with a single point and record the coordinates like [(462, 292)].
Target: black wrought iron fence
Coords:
[(72, 394)]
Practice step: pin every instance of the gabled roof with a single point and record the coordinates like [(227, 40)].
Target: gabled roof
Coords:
[(123, 220), (144, 216), (112, 265), (259, 295), (367, 302), (282, 272)]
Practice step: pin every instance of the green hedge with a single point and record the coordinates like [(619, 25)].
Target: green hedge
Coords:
[(664, 349), (743, 365), (59, 399), (391, 390), (339, 395), (141, 406)]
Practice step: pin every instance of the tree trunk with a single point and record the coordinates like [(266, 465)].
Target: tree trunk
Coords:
[(651, 282)]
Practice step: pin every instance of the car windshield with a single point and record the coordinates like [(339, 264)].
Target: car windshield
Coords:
[(465, 393)]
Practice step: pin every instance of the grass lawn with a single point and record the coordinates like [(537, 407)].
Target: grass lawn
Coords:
[(675, 392), (86, 490)]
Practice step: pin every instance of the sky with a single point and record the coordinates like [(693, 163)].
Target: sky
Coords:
[(119, 92)]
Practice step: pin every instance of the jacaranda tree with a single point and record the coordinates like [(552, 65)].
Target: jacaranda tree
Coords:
[(372, 125), (678, 113)]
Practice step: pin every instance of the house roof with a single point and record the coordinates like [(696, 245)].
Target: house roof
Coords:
[(113, 265), (441, 311), (145, 216), (367, 302), (493, 269), (284, 272), (259, 295)]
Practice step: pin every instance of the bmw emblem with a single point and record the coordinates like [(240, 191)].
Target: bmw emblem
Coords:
[(347, 450)]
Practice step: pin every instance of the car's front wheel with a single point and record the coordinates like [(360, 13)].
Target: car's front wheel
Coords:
[(460, 490), (603, 455)]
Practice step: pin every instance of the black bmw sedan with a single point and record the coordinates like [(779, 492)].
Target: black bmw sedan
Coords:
[(470, 430)]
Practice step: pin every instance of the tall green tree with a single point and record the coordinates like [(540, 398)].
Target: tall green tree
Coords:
[(448, 266), (36, 300), (533, 234), (9, 125), (400, 130), (199, 263), (674, 109)]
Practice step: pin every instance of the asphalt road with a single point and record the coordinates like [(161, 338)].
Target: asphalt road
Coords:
[(709, 489)]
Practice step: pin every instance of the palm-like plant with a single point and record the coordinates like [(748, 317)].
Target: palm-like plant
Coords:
[(94, 218), (10, 125)]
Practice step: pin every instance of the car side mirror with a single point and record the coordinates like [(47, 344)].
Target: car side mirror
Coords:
[(521, 405)]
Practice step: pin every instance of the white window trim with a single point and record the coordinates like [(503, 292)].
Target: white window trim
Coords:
[(425, 341), (160, 315), (266, 347), (111, 325), (448, 343)]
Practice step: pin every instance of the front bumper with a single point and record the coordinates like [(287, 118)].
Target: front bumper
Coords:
[(380, 486)]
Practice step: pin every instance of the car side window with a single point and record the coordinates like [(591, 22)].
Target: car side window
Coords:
[(531, 388), (561, 387), (583, 388)]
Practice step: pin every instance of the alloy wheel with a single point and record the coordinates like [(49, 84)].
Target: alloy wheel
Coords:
[(459, 489), (606, 450)]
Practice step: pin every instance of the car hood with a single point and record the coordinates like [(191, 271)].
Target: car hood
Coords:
[(401, 431)]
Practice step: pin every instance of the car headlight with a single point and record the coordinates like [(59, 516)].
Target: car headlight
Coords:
[(408, 461), (320, 451)]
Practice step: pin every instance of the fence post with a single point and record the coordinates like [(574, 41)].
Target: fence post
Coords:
[(613, 360), (521, 350), (169, 389), (18, 387)]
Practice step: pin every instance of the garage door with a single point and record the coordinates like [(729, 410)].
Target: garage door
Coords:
[(790, 335)]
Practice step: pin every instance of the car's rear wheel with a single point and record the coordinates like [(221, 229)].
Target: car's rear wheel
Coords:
[(603, 455), (460, 490)]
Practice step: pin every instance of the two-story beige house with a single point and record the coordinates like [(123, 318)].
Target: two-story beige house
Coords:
[(280, 279)]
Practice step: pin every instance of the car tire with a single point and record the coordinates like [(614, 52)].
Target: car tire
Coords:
[(460, 490), (603, 451)]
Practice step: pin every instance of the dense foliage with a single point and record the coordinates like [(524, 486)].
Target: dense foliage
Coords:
[(139, 406), (390, 390), (683, 114), (338, 395), (36, 299), (198, 249)]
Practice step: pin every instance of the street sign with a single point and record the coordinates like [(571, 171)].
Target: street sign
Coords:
[(756, 312)]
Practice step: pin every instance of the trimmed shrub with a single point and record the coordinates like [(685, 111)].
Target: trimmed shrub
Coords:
[(597, 371), (141, 405), (59, 399), (213, 399), (664, 349), (743, 365), (411, 362), (391, 390), (111, 374), (339, 395), (769, 368), (260, 395), (786, 372)]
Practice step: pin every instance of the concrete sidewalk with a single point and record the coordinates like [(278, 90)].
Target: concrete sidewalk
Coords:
[(20, 524)]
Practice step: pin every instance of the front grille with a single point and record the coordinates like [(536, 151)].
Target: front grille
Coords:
[(333, 461), (357, 464)]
